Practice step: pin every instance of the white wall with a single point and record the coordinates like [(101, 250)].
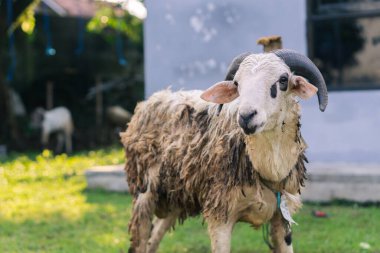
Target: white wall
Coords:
[(189, 44), (349, 129)]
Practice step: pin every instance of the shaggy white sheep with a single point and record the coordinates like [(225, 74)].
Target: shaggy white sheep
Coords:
[(247, 164)]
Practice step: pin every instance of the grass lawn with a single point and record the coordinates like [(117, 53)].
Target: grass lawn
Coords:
[(44, 207)]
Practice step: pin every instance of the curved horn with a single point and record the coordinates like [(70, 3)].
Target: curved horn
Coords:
[(303, 66), (234, 66), (232, 69)]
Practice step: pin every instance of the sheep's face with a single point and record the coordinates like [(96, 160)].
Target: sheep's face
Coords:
[(265, 87), (37, 117)]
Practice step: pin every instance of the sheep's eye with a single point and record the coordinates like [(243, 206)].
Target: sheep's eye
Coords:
[(283, 79), (236, 83), (283, 82)]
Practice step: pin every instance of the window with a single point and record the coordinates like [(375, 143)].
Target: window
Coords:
[(344, 42)]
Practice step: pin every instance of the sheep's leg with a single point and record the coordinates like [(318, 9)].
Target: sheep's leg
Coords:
[(60, 139), (68, 143), (280, 234), (160, 227), (45, 138), (220, 235), (141, 222)]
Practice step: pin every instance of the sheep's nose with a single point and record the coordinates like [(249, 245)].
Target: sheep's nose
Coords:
[(246, 117)]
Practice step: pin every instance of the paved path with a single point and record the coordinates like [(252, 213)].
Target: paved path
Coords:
[(110, 178), (355, 182), (326, 182)]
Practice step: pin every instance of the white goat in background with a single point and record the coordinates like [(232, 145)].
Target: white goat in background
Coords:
[(55, 120)]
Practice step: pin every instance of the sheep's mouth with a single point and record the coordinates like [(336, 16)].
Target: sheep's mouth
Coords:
[(252, 129)]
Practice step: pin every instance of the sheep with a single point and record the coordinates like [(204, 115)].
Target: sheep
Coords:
[(55, 120), (186, 155), (118, 116)]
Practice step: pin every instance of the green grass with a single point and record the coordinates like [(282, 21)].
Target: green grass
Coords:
[(44, 207)]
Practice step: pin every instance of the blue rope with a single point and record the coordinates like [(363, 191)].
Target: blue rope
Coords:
[(119, 47), (80, 46), (12, 51), (81, 23), (49, 50), (265, 228)]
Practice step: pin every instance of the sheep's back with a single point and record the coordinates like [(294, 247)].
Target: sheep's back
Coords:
[(177, 146), (158, 127)]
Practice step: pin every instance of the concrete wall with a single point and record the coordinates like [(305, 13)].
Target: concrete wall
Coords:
[(349, 129), (189, 44)]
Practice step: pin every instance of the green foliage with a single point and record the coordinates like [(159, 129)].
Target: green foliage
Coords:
[(106, 17), (44, 207), (26, 20)]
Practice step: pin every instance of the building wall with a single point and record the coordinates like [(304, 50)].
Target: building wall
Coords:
[(189, 44), (348, 131)]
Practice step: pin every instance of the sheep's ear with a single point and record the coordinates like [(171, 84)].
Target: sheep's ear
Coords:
[(302, 88), (221, 93)]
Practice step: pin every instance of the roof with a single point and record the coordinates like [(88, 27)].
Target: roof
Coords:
[(75, 8), (87, 8)]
